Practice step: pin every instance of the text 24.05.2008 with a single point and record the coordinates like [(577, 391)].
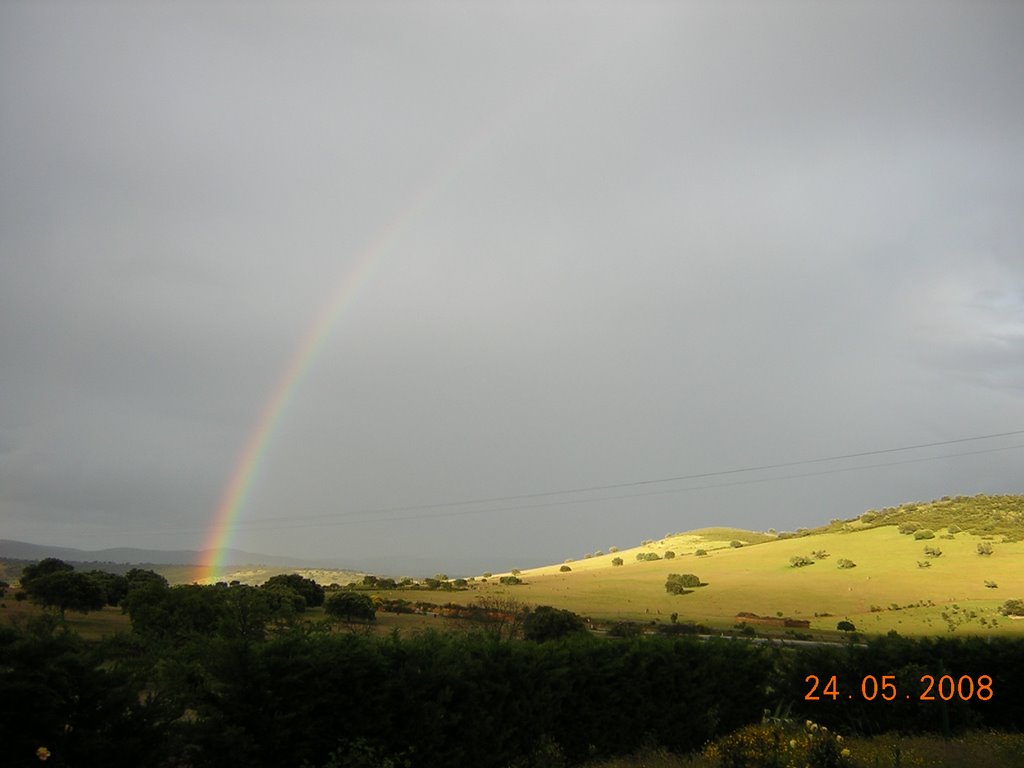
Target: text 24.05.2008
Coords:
[(943, 688)]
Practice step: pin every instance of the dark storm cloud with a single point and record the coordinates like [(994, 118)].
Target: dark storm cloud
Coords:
[(614, 243)]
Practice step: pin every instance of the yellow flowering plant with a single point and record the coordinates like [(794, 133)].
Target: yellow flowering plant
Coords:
[(779, 743)]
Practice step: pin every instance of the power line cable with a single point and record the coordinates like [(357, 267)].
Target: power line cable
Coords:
[(638, 483), (565, 502), (332, 519)]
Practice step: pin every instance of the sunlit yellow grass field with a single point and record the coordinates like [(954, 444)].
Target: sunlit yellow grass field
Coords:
[(758, 578), (887, 590)]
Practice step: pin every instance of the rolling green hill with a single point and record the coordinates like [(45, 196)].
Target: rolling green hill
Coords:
[(893, 584)]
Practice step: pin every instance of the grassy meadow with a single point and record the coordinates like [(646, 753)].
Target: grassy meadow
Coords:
[(895, 584), (758, 578)]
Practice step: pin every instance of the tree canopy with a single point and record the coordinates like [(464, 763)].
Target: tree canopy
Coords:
[(66, 590), (347, 605), (548, 623), (309, 589)]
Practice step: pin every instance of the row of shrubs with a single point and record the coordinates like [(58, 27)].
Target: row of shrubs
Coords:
[(320, 698)]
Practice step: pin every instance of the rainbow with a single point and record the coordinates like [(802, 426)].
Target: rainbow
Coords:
[(236, 491)]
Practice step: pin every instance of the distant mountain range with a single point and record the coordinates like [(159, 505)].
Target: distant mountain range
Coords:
[(22, 550), (395, 565)]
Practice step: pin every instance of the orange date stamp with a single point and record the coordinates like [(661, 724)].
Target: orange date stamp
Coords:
[(942, 688)]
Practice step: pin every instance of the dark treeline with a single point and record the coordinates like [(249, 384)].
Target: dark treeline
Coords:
[(908, 661), (209, 677)]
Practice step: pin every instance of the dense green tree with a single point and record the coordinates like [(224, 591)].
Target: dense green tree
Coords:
[(548, 623), (677, 583), (174, 614), (114, 585), (246, 611), (616, 561), (138, 577), (44, 567), (309, 589), (284, 601), (347, 605), (80, 701), (66, 591), (1013, 608), (846, 626)]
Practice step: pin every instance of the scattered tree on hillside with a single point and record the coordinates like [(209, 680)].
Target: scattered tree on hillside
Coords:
[(846, 626), (670, 555), (984, 548), (510, 580), (991, 585), (819, 554), (800, 561), (932, 551), (347, 605), (677, 583), (700, 552), (548, 623), (735, 544), (1012, 608), (616, 561), (565, 569), (924, 533), (845, 563)]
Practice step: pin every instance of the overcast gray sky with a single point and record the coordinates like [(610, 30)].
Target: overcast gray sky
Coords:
[(603, 243)]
